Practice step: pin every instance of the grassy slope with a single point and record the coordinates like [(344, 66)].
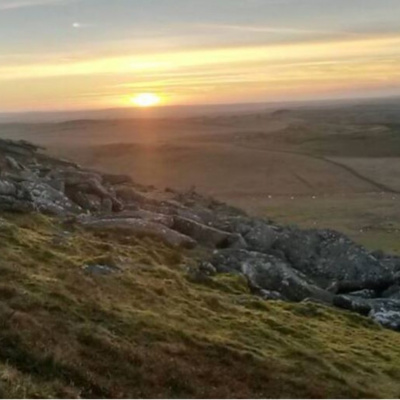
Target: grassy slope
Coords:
[(150, 332)]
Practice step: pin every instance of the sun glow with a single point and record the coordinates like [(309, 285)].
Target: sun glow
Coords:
[(146, 100)]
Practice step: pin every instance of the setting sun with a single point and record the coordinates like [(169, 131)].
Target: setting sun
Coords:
[(146, 100)]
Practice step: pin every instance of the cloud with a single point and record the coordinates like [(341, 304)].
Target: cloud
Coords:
[(14, 4), (222, 74), (276, 30), (231, 57)]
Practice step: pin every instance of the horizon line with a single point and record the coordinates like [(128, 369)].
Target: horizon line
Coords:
[(199, 105)]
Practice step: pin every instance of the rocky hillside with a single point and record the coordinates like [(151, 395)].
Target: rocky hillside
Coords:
[(114, 289)]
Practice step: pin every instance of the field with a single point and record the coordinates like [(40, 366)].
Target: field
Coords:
[(327, 167)]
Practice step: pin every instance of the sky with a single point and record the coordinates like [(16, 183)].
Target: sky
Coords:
[(81, 54)]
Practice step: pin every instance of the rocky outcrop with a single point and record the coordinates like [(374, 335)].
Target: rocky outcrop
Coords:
[(279, 263)]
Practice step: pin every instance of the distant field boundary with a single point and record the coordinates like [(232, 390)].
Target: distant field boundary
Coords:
[(380, 186)]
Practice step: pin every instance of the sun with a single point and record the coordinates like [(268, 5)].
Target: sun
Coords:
[(145, 100)]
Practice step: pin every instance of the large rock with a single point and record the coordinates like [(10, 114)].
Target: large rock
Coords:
[(113, 179), (19, 148), (377, 286), (28, 195), (166, 220), (13, 164), (72, 176), (356, 304), (81, 186), (9, 203), (203, 234), (327, 256), (393, 292), (140, 227), (8, 188), (268, 273), (130, 195), (46, 199), (386, 312), (262, 237), (390, 261)]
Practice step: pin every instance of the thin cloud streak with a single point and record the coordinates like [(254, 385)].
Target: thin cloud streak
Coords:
[(15, 4), (277, 30)]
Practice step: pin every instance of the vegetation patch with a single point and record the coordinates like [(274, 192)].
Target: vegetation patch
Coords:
[(148, 331)]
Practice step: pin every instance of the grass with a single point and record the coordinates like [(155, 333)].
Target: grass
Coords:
[(149, 331)]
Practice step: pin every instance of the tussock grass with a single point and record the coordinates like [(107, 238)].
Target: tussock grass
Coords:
[(148, 331)]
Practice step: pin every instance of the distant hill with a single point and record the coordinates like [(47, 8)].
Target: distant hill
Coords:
[(183, 111), (126, 113)]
